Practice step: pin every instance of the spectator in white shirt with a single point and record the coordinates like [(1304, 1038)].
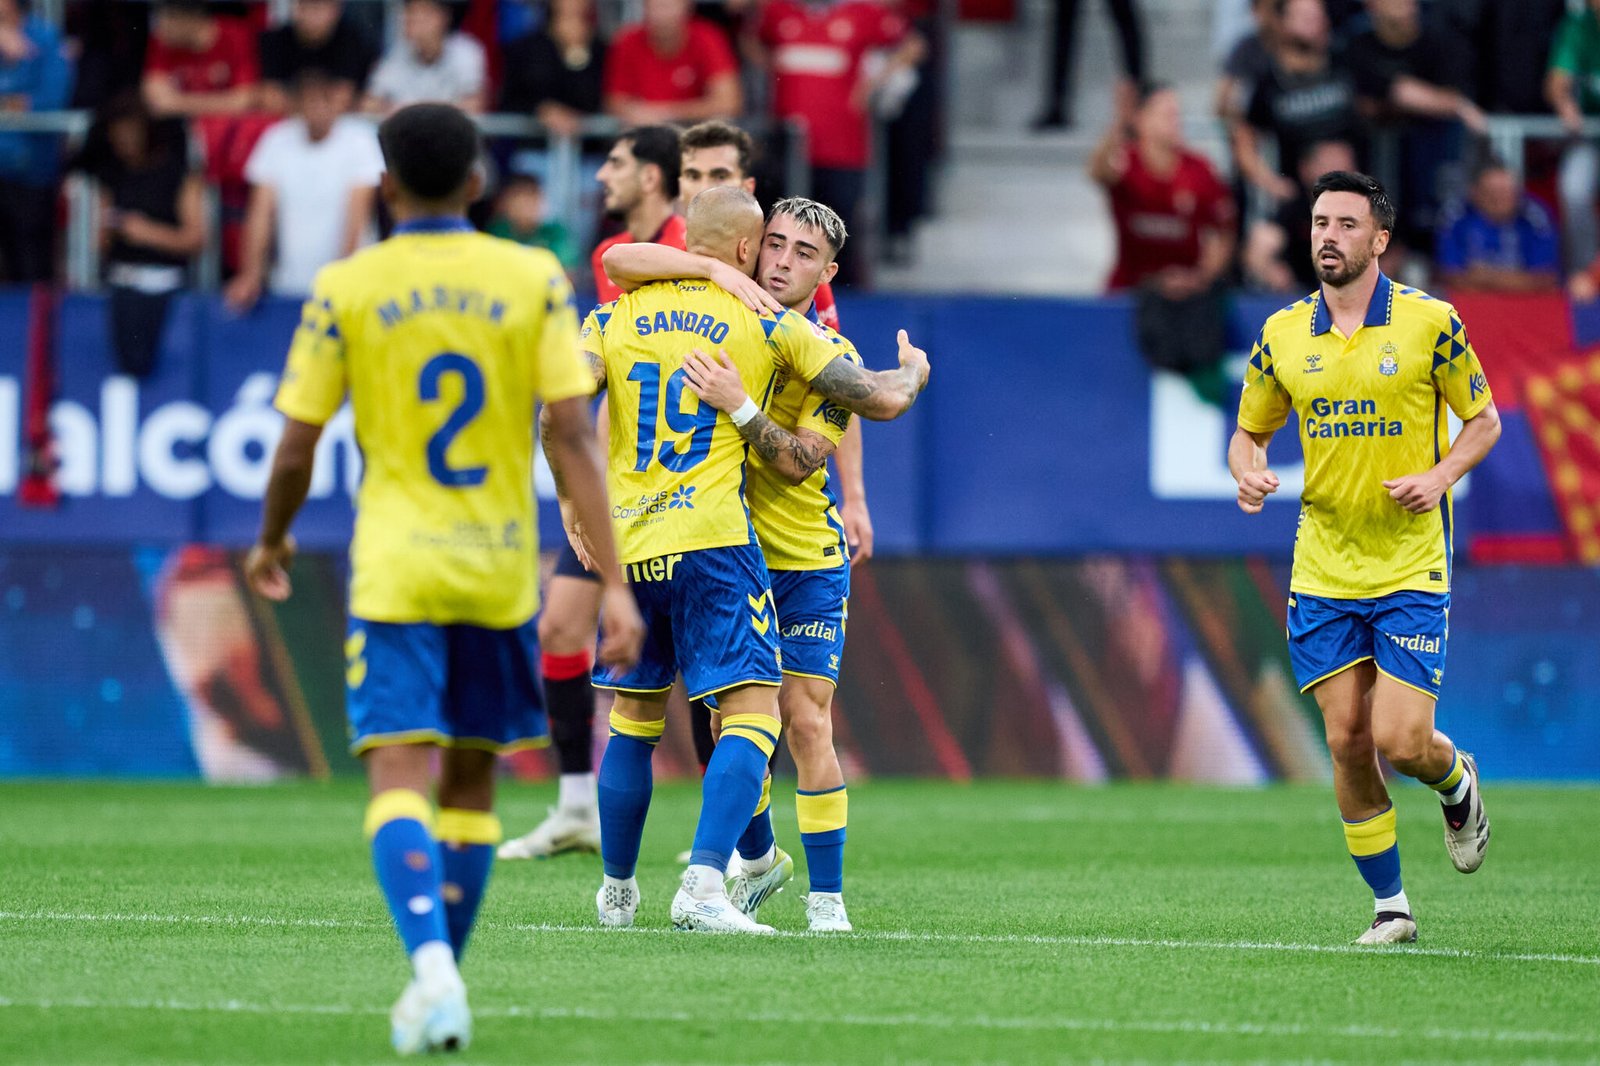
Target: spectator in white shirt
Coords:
[(314, 178), (429, 64)]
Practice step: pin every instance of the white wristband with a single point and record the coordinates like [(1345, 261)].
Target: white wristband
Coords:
[(746, 412)]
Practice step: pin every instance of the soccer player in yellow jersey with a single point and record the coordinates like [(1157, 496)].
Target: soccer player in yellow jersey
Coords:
[(444, 339), (1369, 367), (677, 474), (798, 521)]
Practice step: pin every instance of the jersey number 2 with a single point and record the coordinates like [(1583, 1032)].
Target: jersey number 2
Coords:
[(456, 477), (699, 425)]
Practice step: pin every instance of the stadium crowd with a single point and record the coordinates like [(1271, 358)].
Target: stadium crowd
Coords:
[(277, 119), (1397, 88)]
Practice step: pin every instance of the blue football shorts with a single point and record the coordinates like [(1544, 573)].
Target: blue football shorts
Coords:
[(1404, 633), (708, 615), (568, 564), (812, 610), (454, 685)]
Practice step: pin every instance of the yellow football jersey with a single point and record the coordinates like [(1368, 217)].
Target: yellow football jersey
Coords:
[(445, 339), (677, 469), (799, 525), (1371, 409)]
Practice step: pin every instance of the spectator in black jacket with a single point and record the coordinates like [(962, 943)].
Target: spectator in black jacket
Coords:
[(319, 35), (152, 213), (555, 73)]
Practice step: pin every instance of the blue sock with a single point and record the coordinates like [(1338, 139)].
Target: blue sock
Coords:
[(406, 860), (1376, 850), (624, 786), (822, 816), (732, 786), (758, 838), (467, 841)]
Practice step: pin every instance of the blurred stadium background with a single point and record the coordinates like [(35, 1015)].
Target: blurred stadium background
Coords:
[(1063, 585), (1063, 590)]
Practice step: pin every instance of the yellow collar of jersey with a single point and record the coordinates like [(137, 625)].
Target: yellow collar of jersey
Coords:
[(1380, 310)]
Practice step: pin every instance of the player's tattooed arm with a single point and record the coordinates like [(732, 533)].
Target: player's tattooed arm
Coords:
[(597, 370), (548, 445), (716, 381), (880, 395), (633, 265), (794, 455)]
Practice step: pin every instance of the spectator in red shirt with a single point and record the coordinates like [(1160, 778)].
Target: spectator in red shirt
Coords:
[(1174, 215), (198, 64), (1175, 235), (815, 54), (640, 183), (672, 67)]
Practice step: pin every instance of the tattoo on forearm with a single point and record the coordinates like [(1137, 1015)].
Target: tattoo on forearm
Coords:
[(547, 442), (866, 391), (597, 368), (783, 449)]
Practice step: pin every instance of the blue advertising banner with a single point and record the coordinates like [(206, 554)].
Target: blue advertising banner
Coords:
[(1042, 432)]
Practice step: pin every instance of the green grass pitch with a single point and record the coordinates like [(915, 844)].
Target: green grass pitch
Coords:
[(998, 922)]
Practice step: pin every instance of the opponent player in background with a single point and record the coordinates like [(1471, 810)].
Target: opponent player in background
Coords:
[(1369, 366), (677, 469), (445, 340), (797, 520), (640, 182)]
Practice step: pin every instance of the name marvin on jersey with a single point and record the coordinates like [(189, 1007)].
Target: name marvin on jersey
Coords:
[(1343, 418), (441, 298)]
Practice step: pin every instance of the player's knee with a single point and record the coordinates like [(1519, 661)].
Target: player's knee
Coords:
[(564, 635), (1350, 743), (808, 725), (1404, 745)]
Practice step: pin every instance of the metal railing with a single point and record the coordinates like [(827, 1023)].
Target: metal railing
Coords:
[(565, 180), (1509, 136)]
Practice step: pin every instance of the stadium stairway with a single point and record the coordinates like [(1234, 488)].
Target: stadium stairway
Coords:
[(1015, 210)]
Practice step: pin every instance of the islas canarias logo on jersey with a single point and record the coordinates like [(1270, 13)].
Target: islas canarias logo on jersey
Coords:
[(655, 504)]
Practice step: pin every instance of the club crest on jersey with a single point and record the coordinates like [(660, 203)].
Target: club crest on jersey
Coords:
[(1390, 366), (1314, 363)]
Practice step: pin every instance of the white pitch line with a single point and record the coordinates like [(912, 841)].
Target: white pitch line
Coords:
[(903, 936), (1118, 942), (1204, 1027)]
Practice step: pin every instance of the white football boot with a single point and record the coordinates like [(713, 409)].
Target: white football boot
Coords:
[(617, 904), (825, 913), (1468, 841), (748, 891), (715, 915), (561, 831), (431, 1018), (1390, 927)]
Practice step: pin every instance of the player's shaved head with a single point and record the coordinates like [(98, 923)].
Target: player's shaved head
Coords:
[(725, 222)]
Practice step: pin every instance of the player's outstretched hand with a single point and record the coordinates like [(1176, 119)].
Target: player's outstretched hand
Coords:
[(266, 569), (1418, 493), (913, 358), (716, 381), (857, 530), (1254, 488), (575, 534), (621, 627), (746, 288)]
